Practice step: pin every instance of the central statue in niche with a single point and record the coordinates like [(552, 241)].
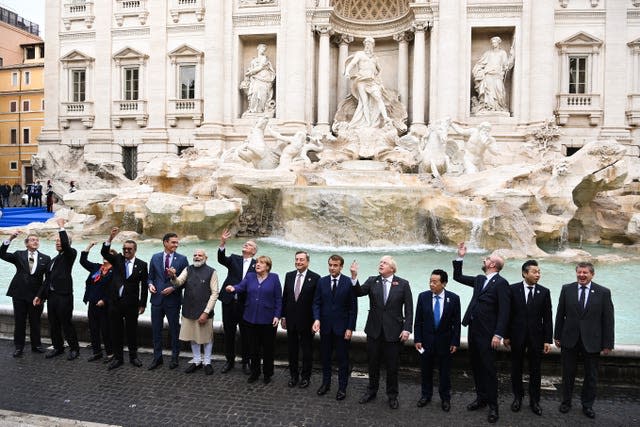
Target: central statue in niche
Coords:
[(368, 122)]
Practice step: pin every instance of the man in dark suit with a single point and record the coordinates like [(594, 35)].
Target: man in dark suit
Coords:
[(335, 311), (165, 298), (233, 304), (57, 289), (388, 326), (487, 318), (584, 327), (30, 269), (127, 295), (297, 317), (437, 336), (530, 330)]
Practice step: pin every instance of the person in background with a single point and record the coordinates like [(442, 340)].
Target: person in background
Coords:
[(95, 296), (49, 194), (72, 187), (37, 195)]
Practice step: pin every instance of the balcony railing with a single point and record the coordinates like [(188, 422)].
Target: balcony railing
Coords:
[(81, 111), (179, 7), (633, 109), (125, 109), (131, 8), (184, 108), (579, 104), (78, 10)]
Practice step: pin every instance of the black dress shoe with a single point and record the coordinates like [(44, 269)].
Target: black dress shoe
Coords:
[(115, 363), (266, 380), (516, 405), (367, 397), (155, 364), (564, 407), (324, 388), (53, 353), (38, 349), (136, 362), (304, 383), (94, 357), (173, 364), (341, 395), (393, 403), (246, 369), (252, 378), (292, 382), (589, 412), (17, 353), (535, 408), (191, 368), (208, 369), (446, 405), (422, 402), (73, 354), (475, 405), (108, 359), (226, 367), (493, 415)]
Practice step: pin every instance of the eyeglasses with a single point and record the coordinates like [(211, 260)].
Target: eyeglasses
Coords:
[(128, 249)]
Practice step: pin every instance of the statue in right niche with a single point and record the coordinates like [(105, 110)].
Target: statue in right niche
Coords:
[(258, 84), (489, 75)]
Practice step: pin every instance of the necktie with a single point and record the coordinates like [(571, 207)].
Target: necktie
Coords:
[(167, 261), (32, 261), (436, 311), (296, 290), (127, 268), (583, 295), (385, 287), (333, 287)]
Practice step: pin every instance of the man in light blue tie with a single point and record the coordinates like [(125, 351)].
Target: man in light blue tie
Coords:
[(437, 336)]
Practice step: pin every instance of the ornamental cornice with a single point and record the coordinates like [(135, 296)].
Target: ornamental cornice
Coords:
[(379, 29), (633, 14), (188, 28), (572, 15), (261, 20), (494, 11), (130, 32), (90, 35)]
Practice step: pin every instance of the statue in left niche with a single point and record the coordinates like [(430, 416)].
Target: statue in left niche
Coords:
[(258, 85)]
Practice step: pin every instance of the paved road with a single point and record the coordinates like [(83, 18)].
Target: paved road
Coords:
[(79, 390)]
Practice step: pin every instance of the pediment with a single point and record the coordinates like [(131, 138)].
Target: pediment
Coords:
[(634, 43), (129, 53), (580, 39), (185, 51), (76, 56)]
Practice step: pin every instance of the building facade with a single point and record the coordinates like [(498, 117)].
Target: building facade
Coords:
[(128, 81)]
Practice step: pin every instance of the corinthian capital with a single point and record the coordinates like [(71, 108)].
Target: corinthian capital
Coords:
[(324, 29), (421, 26), (403, 36)]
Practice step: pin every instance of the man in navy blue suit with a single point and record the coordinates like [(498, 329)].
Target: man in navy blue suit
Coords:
[(165, 298), (530, 330), (487, 318), (437, 336), (335, 311)]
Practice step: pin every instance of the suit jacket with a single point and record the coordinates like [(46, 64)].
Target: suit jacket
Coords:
[(233, 263), (58, 273), (594, 326), (335, 313), (135, 287), (447, 334), (489, 307), (393, 317), (299, 314), (160, 280), (536, 324), (24, 285), (94, 291)]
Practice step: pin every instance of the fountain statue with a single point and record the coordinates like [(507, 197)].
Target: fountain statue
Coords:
[(489, 74), (258, 84)]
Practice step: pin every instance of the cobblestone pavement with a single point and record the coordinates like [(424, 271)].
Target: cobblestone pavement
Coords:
[(79, 390)]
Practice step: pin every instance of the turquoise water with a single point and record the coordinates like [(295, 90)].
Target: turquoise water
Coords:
[(414, 264)]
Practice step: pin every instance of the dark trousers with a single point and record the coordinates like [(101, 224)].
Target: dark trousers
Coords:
[(5, 201), (262, 340), (158, 313), (378, 348), (328, 344), (124, 319), (428, 360), (21, 311), (295, 340), (483, 365), (569, 361), (99, 328), (533, 353), (60, 313), (231, 318)]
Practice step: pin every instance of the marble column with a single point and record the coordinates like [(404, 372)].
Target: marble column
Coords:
[(343, 41), (322, 123), (294, 43), (403, 66), (418, 84), (50, 132), (540, 63)]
